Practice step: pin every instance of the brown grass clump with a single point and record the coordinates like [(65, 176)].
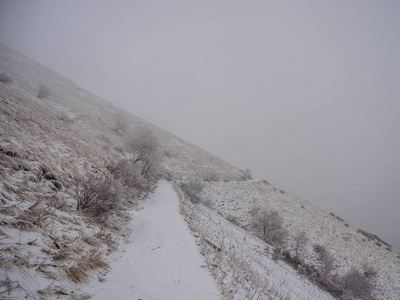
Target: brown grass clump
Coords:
[(90, 241), (9, 211), (19, 224), (78, 273)]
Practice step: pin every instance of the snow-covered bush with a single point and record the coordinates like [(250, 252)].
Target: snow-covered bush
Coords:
[(211, 177), (122, 123), (356, 285), (99, 196), (130, 174), (145, 148), (43, 91), (300, 242), (193, 189), (268, 225), (254, 210)]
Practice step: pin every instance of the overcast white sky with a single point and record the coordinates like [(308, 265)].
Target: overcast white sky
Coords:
[(304, 93)]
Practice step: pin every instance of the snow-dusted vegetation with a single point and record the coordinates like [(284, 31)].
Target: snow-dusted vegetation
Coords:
[(323, 249), (74, 170)]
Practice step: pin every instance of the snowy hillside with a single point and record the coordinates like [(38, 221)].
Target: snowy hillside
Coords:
[(56, 139)]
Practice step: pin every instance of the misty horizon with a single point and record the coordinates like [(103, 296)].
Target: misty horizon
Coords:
[(305, 94)]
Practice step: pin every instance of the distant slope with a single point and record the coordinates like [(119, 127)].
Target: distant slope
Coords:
[(349, 247)]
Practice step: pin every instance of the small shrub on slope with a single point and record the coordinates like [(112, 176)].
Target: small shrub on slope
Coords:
[(355, 285), (268, 225), (193, 189), (98, 196), (43, 91)]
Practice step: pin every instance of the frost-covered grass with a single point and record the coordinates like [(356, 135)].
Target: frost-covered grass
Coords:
[(350, 249), (50, 249), (47, 247), (240, 262)]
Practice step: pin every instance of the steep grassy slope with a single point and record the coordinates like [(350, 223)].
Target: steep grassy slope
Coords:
[(45, 243), (351, 249)]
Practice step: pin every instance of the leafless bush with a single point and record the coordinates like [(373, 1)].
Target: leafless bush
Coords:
[(145, 147), (131, 175), (356, 285), (277, 254), (193, 189), (98, 195), (300, 242), (5, 78), (268, 225), (246, 174), (211, 177), (64, 117), (319, 249), (254, 210), (326, 259), (43, 91), (122, 123)]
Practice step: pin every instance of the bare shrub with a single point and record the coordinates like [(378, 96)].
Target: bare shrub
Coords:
[(277, 254), (5, 78), (319, 249), (122, 123), (211, 177), (64, 117), (98, 196), (145, 147), (355, 284), (326, 259), (300, 241), (246, 175), (254, 210), (130, 174), (193, 189), (43, 91), (328, 263), (369, 272), (268, 225)]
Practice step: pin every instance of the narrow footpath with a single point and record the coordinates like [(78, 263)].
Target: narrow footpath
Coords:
[(162, 261)]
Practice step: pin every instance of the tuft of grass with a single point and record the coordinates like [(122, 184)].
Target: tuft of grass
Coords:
[(79, 272)]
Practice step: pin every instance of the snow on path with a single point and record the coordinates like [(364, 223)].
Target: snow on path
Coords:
[(162, 261)]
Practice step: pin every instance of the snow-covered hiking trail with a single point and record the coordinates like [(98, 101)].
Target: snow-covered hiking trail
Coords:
[(162, 261)]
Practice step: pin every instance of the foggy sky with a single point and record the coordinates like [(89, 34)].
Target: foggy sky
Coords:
[(304, 93)]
